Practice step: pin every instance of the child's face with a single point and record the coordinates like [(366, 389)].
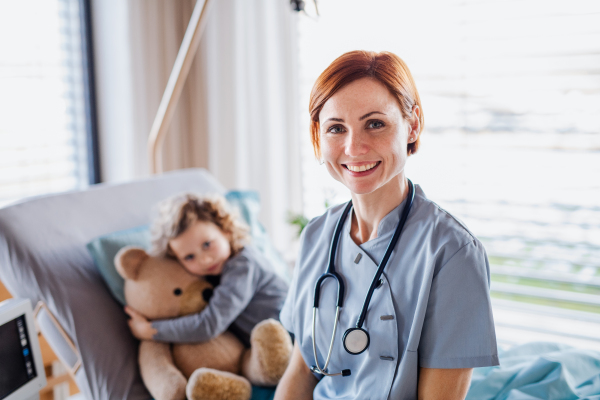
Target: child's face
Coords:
[(202, 249)]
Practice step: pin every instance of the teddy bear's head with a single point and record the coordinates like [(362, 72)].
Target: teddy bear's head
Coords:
[(160, 287)]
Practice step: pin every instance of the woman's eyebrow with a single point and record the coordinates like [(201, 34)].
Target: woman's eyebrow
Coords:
[(367, 115)]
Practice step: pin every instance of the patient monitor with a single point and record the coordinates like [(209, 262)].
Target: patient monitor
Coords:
[(22, 373)]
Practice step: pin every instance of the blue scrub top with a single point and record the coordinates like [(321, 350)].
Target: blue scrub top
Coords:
[(433, 309)]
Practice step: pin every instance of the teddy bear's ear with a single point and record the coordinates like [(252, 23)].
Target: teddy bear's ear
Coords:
[(129, 260)]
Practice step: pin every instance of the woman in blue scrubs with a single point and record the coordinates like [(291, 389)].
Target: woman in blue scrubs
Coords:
[(429, 320)]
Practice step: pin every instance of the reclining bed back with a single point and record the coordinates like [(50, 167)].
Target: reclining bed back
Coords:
[(43, 256)]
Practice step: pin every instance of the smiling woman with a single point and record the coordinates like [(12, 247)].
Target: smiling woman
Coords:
[(356, 142), (387, 68), (412, 293)]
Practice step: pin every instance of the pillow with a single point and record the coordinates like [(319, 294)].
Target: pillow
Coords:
[(104, 248), (248, 204)]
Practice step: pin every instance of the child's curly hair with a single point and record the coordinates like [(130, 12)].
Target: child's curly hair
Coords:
[(179, 212)]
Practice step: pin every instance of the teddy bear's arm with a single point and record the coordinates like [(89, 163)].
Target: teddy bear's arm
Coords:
[(163, 380)]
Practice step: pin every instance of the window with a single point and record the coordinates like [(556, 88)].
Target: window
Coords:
[(511, 98), (46, 113)]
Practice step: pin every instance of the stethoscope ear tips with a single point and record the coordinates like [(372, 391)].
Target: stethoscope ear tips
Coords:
[(345, 372)]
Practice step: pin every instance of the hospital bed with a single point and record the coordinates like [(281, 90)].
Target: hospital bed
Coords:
[(43, 257)]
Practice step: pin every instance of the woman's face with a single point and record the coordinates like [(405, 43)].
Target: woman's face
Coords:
[(364, 137)]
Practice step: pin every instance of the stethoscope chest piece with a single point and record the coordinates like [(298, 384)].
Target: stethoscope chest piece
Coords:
[(356, 340)]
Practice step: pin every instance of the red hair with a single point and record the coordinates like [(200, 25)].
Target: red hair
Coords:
[(385, 67)]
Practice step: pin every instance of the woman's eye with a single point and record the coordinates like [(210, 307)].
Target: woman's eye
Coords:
[(189, 257), (375, 124), (206, 245), (335, 129)]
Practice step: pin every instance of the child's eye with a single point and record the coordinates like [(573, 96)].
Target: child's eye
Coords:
[(189, 257), (205, 245)]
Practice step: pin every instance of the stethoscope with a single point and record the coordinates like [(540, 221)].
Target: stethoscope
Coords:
[(355, 340)]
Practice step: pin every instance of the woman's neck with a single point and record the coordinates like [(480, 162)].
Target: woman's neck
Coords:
[(371, 208)]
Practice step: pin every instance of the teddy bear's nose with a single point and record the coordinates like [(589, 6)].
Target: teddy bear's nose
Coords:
[(177, 292)]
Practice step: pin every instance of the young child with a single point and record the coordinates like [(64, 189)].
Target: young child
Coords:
[(208, 240)]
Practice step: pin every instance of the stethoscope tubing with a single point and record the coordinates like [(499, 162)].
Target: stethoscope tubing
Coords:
[(388, 253), (331, 273), (318, 369)]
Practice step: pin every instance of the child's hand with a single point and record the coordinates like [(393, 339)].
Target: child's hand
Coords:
[(139, 325)]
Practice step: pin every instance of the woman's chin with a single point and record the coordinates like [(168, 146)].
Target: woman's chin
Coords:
[(361, 188), (365, 187)]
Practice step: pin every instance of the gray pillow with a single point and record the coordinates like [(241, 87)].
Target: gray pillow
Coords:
[(43, 256)]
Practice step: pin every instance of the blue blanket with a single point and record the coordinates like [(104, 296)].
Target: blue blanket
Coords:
[(259, 393), (533, 371), (544, 371)]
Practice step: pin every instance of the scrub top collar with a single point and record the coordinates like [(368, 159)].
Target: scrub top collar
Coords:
[(385, 231)]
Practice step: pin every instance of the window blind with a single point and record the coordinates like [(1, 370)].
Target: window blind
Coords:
[(42, 104)]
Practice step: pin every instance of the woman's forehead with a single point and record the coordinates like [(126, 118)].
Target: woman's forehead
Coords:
[(359, 98)]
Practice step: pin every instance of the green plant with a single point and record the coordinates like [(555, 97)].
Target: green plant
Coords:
[(298, 220)]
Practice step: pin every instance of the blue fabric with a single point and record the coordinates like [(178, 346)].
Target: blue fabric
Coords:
[(261, 393), (248, 204), (539, 371), (104, 248)]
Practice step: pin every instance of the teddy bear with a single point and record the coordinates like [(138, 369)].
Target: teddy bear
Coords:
[(219, 369)]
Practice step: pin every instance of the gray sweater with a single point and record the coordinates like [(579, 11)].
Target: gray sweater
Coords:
[(247, 294)]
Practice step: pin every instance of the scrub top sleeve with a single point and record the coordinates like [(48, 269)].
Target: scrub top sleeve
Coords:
[(229, 299), (458, 331), (286, 316)]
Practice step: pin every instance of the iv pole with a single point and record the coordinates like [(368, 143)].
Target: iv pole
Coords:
[(180, 71)]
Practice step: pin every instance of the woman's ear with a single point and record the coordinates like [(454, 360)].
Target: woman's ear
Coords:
[(415, 124)]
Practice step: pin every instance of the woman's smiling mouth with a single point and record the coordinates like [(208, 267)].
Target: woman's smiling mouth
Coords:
[(361, 169)]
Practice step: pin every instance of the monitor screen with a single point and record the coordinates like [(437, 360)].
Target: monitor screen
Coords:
[(16, 359)]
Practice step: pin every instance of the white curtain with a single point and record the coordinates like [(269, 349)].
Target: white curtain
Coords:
[(238, 113)]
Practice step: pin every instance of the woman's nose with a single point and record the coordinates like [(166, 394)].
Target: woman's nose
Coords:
[(355, 144)]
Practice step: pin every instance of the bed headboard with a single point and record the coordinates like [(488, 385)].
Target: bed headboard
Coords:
[(43, 256)]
